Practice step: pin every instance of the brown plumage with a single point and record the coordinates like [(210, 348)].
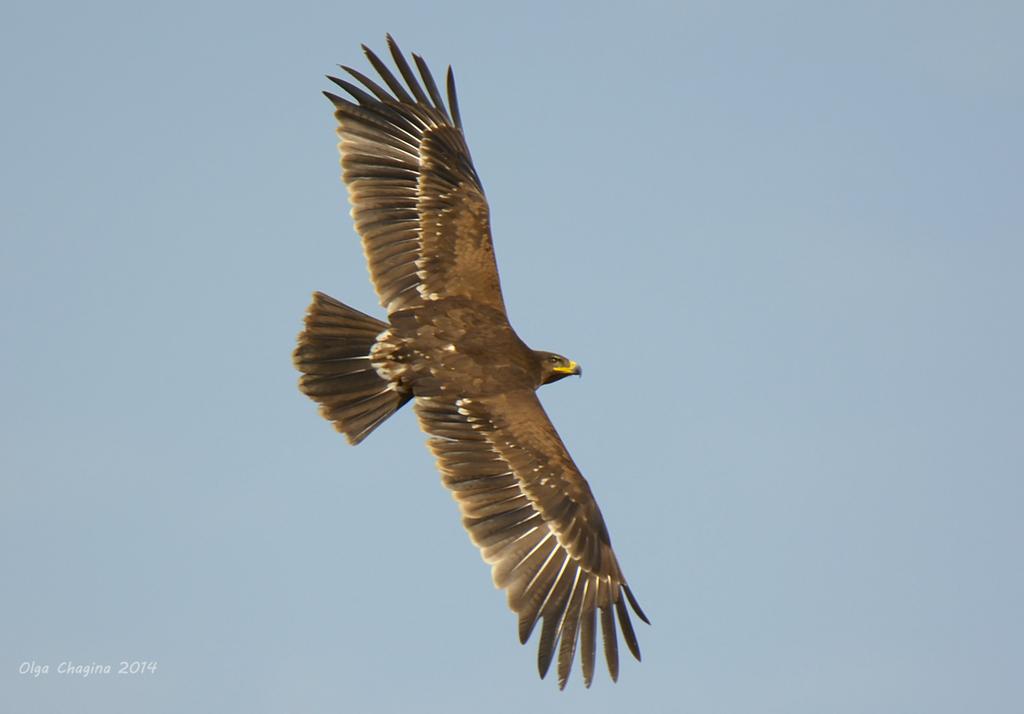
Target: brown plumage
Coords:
[(419, 207)]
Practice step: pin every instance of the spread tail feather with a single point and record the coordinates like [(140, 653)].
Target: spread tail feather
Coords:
[(334, 358)]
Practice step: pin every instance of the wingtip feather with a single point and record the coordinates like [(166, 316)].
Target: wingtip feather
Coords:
[(634, 604)]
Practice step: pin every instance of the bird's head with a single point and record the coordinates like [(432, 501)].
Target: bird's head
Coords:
[(553, 367)]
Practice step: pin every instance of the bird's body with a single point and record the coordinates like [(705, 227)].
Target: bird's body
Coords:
[(456, 345), (420, 209)]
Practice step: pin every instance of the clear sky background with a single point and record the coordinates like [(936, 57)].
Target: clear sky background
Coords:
[(786, 241)]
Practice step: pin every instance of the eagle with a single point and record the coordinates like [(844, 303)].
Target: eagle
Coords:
[(419, 208)]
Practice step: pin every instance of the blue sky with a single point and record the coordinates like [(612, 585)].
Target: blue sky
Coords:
[(785, 242)]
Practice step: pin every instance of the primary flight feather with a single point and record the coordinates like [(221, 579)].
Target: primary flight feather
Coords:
[(420, 210)]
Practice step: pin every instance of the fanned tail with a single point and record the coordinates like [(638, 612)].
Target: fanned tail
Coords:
[(334, 358)]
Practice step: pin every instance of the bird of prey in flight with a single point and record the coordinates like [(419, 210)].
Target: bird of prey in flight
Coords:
[(419, 207)]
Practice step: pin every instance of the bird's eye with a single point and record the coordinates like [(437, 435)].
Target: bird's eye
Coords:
[(553, 360)]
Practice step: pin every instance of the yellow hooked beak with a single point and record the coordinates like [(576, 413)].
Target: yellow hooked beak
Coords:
[(572, 368)]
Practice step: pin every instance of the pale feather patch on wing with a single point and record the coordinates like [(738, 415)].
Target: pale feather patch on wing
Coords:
[(416, 199), (544, 583)]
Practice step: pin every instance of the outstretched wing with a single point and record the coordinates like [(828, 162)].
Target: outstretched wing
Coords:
[(416, 199), (531, 513)]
